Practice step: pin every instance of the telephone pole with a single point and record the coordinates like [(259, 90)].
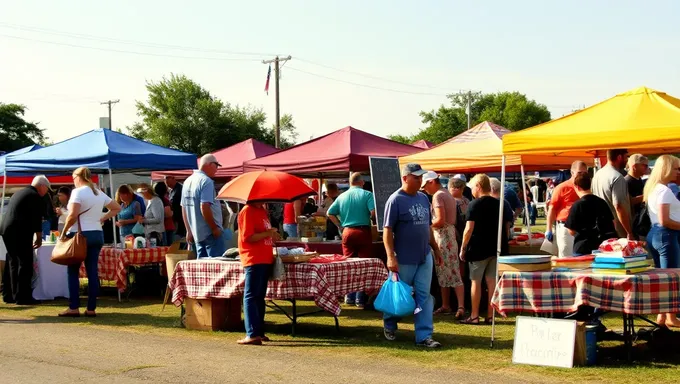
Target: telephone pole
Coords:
[(110, 103), (277, 61)]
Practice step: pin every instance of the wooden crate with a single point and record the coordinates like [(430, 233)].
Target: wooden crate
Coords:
[(213, 314)]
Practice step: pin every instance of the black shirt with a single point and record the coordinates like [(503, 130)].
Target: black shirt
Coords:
[(24, 214), (175, 197), (593, 222), (636, 188), (482, 245), (467, 192)]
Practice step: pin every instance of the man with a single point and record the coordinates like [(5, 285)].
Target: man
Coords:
[(511, 196), (563, 197), (408, 238), (351, 212), (21, 229), (332, 193), (590, 221), (508, 215), (175, 197), (201, 213), (610, 185), (638, 166)]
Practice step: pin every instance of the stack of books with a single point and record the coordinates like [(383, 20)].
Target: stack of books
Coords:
[(524, 263), (573, 263), (618, 264)]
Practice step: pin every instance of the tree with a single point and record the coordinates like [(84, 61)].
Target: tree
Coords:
[(511, 110), (15, 131), (288, 132), (181, 114)]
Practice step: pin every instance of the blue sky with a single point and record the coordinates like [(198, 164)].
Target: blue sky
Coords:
[(562, 54)]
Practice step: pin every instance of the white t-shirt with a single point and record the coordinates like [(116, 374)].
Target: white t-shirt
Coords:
[(660, 195), (93, 204)]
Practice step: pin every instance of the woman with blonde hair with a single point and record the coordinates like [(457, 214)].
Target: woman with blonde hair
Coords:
[(85, 208), (663, 240)]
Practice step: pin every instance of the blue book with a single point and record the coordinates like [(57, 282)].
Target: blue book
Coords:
[(634, 264), (618, 259)]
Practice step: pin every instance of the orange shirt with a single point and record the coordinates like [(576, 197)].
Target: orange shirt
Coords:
[(253, 220), (563, 198)]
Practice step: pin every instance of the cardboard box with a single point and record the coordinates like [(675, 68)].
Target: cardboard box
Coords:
[(580, 344), (213, 314)]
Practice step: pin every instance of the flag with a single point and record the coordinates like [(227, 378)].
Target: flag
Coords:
[(269, 74)]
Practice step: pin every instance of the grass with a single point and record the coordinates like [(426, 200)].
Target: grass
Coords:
[(465, 347)]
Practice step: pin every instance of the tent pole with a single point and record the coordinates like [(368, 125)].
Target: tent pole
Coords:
[(4, 185), (115, 243), (498, 245), (526, 205)]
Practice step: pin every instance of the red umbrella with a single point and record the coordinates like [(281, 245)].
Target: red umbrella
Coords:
[(265, 186)]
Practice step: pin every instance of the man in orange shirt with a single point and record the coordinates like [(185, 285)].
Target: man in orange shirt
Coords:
[(256, 249), (563, 198)]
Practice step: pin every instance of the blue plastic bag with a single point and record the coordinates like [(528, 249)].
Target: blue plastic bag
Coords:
[(395, 297)]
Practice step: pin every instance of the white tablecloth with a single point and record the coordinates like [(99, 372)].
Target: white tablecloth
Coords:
[(52, 278)]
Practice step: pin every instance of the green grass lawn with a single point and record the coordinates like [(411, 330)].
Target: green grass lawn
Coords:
[(465, 347)]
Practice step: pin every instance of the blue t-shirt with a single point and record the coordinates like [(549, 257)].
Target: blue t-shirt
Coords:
[(409, 218), (199, 189), (354, 207), (141, 202), (512, 198)]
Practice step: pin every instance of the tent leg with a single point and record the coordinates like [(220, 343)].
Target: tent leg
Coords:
[(4, 185), (498, 245), (115, 242), (526, 205)]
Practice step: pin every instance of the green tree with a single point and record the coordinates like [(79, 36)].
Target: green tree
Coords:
[(181, 114), (15, 131), (511, 110), (289, 134)]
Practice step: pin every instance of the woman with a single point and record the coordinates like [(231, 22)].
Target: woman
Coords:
[(444, 229), (162, 191), (63, 194), (456, 188), (85, 214), (131, 211), (291, 212), (154, 216), (256, 240), (663, 240)]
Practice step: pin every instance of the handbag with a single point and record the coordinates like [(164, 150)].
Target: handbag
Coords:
[(70, 251)]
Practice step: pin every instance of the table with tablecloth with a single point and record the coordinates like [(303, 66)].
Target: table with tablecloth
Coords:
[(50, 279), (324, 283), (114, 262), (331, 247)]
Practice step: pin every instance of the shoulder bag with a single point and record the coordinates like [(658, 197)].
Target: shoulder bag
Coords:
[(70, 251)]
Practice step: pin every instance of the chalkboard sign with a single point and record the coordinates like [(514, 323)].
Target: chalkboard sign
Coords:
[(386, 179)]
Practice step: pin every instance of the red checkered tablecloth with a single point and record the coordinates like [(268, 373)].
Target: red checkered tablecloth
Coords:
[(113, 262), (652, 292), (203, 279)]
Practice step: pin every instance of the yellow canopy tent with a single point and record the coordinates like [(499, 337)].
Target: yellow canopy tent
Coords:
[(480, 149), (641, 120)]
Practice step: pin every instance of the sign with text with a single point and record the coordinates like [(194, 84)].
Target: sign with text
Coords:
[(386, 179), (547, 342)]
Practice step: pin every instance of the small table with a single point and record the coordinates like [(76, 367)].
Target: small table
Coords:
[(51, 280), (332, 247)]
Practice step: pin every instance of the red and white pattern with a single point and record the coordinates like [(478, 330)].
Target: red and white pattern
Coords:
[(203, 279), (623, 247), (652, 292), (113, 262)]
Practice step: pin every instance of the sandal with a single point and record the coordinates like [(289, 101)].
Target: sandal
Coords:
[(69, 313), (90, 314), (488, 320), (460, 313), (471, 321), (442, 311)]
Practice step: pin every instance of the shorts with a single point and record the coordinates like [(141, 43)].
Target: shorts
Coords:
[(483, 268)]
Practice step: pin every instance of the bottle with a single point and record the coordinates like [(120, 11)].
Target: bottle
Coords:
[(152, 242)]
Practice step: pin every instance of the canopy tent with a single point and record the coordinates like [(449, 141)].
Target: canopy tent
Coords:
[(332, 155), (231, 159), (22, 178), (424, 144), (99, 150), (640, 120), (480, 149)]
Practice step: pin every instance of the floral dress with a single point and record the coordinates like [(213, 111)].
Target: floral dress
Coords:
[(448, 274)]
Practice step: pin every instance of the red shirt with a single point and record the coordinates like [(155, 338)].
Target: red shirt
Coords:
[(169, 222), (252, 220), (288, 213), (564, 196)]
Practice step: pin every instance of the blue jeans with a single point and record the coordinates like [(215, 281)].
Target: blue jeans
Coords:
[(290, 230), (213, 247), (95, 241), (358, 298), (419, 276), (664, 246), (46, 228), (257, 277)]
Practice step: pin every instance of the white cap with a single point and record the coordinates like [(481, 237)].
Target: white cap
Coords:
[(209, 159), (460, 176), (429, 176), (41, 180)]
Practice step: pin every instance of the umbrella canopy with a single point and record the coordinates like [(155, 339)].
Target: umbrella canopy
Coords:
[(641, 120), (424, 144), (480, 149), (265, 186)]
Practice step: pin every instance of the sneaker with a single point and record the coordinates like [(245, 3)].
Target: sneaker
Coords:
[(429, 343), (389, 334)]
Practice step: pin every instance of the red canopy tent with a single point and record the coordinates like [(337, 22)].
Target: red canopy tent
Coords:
[(231, 159), (336, 154), (424, 144)]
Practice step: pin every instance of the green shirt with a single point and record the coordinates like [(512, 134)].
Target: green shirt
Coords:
[(353, 208)]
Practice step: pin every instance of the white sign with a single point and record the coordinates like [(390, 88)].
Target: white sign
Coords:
[(548, 342)]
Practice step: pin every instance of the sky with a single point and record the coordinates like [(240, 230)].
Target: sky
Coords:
[(373, 65)]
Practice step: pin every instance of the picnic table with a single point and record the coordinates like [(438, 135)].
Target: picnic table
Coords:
[(114, 263), (324, 283)]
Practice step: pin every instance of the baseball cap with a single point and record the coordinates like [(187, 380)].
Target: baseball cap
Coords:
[(430, 175), (209, 159), (460, 176), (412, 169), (41, 180)]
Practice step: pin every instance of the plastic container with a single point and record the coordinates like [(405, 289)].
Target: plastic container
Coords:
[(152, 242), (591, 344)]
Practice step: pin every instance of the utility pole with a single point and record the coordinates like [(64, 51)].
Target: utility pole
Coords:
[(110, 103), (469, 108), (277, 61)]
